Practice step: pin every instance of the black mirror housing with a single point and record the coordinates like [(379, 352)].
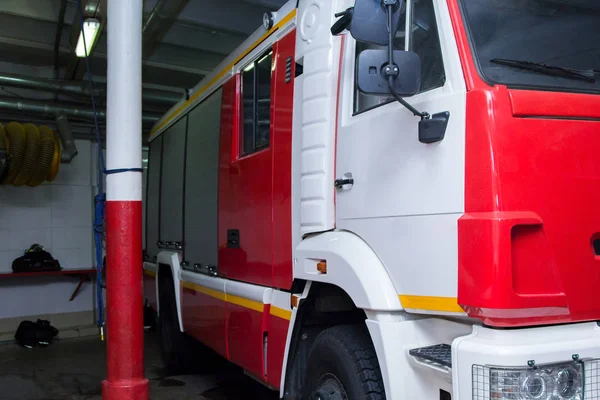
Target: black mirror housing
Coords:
[(370, 21), (371, 79), (433, 129)]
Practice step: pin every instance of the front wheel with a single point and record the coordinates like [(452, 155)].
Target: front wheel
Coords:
[(342, 365)]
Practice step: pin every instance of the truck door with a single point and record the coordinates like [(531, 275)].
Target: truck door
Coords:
[(407, 196), (255, 201)]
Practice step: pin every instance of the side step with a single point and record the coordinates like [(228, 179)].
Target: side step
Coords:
[(439, 354)]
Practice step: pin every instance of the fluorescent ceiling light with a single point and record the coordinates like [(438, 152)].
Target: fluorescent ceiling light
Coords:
[(91, 29)]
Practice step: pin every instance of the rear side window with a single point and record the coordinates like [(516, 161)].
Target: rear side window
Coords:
[(256, 106), (425, 42)]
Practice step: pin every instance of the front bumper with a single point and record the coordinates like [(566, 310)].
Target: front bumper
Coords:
[(518, 347)]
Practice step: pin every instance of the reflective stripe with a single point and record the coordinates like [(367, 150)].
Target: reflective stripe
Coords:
[(150, 273), (431, 303), (281, 313), (240, 301), (237, 300), (204, 290)]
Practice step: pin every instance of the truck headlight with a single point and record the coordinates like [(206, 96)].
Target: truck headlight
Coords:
[(548, 382)]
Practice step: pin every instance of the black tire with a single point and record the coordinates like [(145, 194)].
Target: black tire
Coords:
[(150, 319), (174, 344), (343, 365)]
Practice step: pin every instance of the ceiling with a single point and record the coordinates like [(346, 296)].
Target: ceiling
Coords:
[(177, 54)]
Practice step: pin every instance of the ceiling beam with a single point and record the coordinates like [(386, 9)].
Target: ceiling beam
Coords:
[(25, 52), (40, 10), (231, 16), (158, 23)]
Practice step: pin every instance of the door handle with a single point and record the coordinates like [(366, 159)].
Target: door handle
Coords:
[(233, 238), (344, 183)]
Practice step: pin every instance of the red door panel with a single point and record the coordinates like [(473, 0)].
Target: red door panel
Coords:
[(283, 105), (245, 338), (203, 317), (250, 181)]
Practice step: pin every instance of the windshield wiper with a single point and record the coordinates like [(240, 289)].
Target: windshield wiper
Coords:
[(579, 74)]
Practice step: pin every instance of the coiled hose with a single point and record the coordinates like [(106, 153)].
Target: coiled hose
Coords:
[(55, 166), (32, 151), (45, 157), (16, 145)]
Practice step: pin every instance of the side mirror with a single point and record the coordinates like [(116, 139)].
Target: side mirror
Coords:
[(372, 80), (370, 21), (433, 129)]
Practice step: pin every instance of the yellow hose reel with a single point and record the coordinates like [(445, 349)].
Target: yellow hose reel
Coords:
[(32, 154)]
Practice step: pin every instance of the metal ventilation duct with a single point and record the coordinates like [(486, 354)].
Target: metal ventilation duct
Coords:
[(81, 88), (66, 137), (52, 109)]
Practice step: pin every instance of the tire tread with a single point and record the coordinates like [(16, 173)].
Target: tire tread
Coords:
[(355, 340)]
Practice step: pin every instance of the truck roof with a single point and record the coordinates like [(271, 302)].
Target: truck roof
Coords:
[(224, 70)]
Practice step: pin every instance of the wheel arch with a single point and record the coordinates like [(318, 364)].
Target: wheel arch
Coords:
[(169, 262), (355, 279), (352, 265)]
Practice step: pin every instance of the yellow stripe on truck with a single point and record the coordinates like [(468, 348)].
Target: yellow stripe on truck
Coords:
[(247, 303), (224, 71), (281, 313), (229, 298), (204, 290), (431, 303)]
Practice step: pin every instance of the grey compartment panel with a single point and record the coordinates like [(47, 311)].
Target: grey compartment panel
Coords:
[(171, 203), (202, 182), (153, 197)]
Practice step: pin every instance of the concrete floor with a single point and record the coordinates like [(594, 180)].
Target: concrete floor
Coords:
[(73, 369)]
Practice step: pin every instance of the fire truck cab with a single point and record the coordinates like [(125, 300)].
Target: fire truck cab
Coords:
[(388, 199)]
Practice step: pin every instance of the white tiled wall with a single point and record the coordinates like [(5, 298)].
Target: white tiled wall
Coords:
[(59, 217)]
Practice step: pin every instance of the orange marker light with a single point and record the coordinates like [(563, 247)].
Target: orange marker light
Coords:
[(322, 267), (294, 301)]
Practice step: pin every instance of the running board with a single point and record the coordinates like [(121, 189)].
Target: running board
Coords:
[(440, 354)]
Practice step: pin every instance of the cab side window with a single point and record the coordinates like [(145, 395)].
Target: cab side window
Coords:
[(425, 42)]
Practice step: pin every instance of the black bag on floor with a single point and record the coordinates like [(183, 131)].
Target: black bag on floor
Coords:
[(36, 259), (40, 333)]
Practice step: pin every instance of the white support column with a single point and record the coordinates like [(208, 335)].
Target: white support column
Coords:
[(125, 332)]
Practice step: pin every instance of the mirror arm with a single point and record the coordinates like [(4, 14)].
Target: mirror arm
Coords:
[(416, 113), (391, 71)]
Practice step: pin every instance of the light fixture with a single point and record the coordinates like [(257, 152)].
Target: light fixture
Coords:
[(91, 29), (268, 20)]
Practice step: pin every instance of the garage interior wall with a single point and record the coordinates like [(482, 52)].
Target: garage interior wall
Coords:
[(58, 216)]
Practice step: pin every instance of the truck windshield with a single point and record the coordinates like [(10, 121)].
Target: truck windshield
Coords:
[(543, 44)]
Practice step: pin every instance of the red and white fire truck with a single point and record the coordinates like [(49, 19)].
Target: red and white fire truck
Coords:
[(348, 208)]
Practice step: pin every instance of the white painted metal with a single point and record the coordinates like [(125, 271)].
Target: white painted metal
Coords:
[(351, 265), (124, 102), (515, 347), (171, 259), (407, 196), (281, 299), (393, 335), (318, 51), (288, 340), (209, 282), (248, 291)]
